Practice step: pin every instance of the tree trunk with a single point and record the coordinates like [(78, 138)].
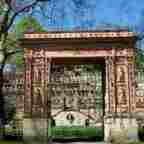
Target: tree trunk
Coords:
[(2, 104)]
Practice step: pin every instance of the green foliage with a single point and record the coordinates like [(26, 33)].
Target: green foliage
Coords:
[(25, 23), (141, 133), (139, 59), (19, 60), (77, 132)]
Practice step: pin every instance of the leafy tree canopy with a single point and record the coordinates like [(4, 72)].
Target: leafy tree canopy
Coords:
[(27, 23)]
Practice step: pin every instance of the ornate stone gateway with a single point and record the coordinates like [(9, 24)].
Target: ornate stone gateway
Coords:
[(47, 55)]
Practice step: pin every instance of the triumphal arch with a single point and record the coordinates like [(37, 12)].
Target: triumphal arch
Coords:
[(47, 58)]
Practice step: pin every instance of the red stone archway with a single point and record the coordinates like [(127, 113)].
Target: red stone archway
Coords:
[(116, 48)]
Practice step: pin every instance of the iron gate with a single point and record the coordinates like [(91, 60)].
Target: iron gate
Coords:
[(76, 95)]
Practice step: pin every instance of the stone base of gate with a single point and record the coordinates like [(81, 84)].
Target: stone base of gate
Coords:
[(120, 127), (35, 129)]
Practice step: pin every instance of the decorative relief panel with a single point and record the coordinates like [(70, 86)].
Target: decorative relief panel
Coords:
[(110, 82), (82, 53), (38, 52), (130, 52), (139, 96), (20, 103), (140, 103), (121, 52), (132, 84), (46, 85), (27, 52), (122, 95), (122, 88), (38, 97), (120, 84), (28, 86)]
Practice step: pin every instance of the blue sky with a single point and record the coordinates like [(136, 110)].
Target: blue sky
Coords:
[(66, 15)]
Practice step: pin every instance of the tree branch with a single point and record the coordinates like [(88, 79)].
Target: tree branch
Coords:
[(12, 53), (18, 12), (8, 2)]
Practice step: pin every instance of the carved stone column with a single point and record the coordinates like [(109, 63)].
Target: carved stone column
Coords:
[(35, 121), (109, 96), (122, 86), (119, 100), (28, 87), (38, 80), (110, 89)]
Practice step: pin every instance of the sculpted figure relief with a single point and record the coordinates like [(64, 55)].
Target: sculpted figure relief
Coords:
[(121, 74), (38, 97), (37, 76), (122, 99)]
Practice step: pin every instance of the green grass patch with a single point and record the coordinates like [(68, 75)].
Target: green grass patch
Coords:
[(77, 132)]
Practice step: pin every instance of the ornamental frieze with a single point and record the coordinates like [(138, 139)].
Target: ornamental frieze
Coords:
[(79, 35)]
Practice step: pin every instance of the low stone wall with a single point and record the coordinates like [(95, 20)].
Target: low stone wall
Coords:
[(114, 127), (35, 129)]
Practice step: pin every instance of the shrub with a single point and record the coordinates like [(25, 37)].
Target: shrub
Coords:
[(77, 132), (141, 133), (12, 133)]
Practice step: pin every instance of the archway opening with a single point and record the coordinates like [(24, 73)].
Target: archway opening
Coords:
[(77, 98)]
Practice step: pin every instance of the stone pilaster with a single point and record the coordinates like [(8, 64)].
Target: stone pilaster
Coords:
[(28, 87), (38, 97), (120, 91), (110, 86), (35, 121)]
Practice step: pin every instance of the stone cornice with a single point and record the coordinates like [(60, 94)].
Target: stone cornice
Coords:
[(79, 39), (91, 34)]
